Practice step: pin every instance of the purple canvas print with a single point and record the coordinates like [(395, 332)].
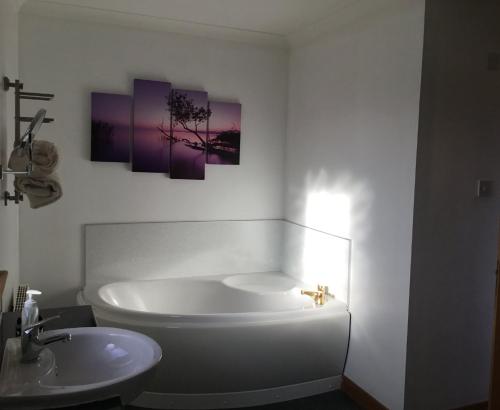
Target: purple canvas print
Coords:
[(224, 131), (110, 131), (151, 130), (190, 113)]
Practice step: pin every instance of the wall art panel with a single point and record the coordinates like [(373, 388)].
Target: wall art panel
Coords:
[(224, 133), (110, 127), (189, 121), (151, 126)]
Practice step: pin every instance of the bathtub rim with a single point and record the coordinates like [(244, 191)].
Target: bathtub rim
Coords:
[(89, 295)]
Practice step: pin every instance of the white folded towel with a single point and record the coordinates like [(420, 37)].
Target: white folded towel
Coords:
[(45, 158), (41, 190)]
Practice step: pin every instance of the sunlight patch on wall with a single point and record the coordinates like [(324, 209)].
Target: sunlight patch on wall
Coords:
[(333, 211), (329, 212), (325, 258)]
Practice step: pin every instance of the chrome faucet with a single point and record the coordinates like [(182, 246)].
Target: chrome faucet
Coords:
[(32, 344)]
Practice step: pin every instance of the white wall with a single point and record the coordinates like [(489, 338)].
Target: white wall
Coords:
[(455, 234), (350, 162), (71, 59), (350, 154), (9, 216)]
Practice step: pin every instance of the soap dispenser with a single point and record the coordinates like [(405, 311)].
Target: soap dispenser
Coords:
[(30, 310)]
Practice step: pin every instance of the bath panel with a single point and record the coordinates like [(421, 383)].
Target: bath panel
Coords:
[(229, 342), (224, 301), (238, 399)]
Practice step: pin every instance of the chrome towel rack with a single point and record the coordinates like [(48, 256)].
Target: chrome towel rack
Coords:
[(25, 140)]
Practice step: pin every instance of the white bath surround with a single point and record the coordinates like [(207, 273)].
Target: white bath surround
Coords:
[(221, 343), (163, 250), (216, 298)]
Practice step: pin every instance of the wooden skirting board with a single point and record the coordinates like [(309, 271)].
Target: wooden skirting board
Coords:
[(359, 396), (478, 406), (368, 402)]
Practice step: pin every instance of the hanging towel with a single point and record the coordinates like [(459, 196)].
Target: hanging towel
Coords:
[(45, 158), (41, 190)]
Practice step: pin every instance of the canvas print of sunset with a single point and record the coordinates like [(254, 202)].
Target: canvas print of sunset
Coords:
[(224, 132), (110, 127), (189, 116), (151, 126)]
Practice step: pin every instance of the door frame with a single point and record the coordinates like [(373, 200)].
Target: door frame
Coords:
[(494, 401)]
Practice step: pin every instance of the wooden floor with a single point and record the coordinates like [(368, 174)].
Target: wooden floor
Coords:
[(336, 400)]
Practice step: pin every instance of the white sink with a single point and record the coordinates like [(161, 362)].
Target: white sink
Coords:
[(98, 363)]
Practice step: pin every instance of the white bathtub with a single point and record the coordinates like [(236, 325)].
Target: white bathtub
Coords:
[(231, 340)]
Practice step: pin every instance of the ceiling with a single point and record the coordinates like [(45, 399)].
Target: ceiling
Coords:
[(264, 21), (280, 17)]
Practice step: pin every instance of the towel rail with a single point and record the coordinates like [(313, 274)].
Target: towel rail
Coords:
[(29, 119), (35, 96), (18, 139)]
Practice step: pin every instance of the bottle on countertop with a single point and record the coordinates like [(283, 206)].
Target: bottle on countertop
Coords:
[(30, 310)]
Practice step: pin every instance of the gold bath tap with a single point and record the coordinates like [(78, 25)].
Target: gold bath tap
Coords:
[(319, 296)]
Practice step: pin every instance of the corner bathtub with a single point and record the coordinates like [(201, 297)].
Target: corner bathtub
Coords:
[(229, 341)]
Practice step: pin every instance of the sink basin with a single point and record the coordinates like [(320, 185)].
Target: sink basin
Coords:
[(97, 364)]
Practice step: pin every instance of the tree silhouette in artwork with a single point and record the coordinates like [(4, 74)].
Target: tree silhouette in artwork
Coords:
[(102, 132), (165, 134), (186, 114)]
